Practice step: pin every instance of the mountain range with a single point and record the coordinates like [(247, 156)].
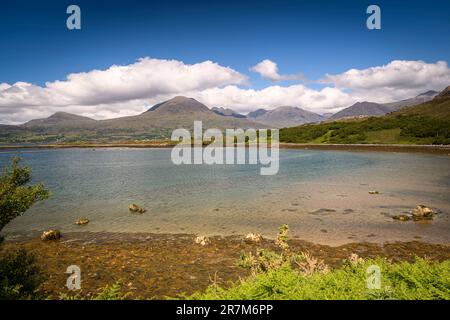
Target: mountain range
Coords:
[(181, 112)]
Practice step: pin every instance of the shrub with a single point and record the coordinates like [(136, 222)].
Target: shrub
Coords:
[(20, 276), (109, 292)]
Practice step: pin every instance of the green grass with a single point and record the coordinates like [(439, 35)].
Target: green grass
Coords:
[(421, 280), (109, 292), (428, 123), (384, 136), (397, 129)]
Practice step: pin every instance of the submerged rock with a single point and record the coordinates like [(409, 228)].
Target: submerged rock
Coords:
[(402, 217), (82, 221), (202, 240), (51, 235), (253, 237), (135, 208), (422, 212)]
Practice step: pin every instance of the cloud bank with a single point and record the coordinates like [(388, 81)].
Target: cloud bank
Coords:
[(130, 89)]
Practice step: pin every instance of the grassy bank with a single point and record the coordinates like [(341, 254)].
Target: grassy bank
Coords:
[(420, 280), (288, 275)]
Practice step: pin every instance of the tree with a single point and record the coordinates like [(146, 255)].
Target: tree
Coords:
[(20, 276), (16, 195)]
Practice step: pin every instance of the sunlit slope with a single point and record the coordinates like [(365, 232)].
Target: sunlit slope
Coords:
[(427, 123)]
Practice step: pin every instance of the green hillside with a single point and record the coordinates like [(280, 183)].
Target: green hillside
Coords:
[(428, 123)]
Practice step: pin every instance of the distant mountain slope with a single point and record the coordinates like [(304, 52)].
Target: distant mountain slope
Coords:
[(5, 128), (327, 115), (286, 116), (179, 112), (361, 109), (60, 123), (438, 108), (421, 98), (178, 105), (444, 94), (429, 93), (369, 109), (227, 112), (58, 118), (256, 113)]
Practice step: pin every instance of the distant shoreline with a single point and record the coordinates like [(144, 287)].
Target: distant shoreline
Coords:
[(434, 149)]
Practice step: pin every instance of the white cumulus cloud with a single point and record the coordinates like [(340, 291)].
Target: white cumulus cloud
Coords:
[(396, 80), (269, 70), (144, 79), (122, 90)]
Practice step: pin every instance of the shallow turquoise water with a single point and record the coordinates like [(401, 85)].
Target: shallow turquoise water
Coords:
[(227, 199)]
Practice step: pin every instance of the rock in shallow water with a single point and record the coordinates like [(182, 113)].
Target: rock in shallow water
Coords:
[(135, 208), (82, 221), (422, 212), (402, 217), (51, 235)]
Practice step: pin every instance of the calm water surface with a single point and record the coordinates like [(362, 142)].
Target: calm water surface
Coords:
[(322, 195)]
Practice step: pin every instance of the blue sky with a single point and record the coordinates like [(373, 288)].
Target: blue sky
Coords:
[(313, 37), (309, 37)]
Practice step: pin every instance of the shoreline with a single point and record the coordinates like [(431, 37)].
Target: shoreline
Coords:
[(158, 266), (408, 148), (101, 237)]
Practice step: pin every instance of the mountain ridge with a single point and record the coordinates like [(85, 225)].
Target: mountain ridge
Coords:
[(286, 116), (227, 112), (359, 109), (55, 118), (179, 104)]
